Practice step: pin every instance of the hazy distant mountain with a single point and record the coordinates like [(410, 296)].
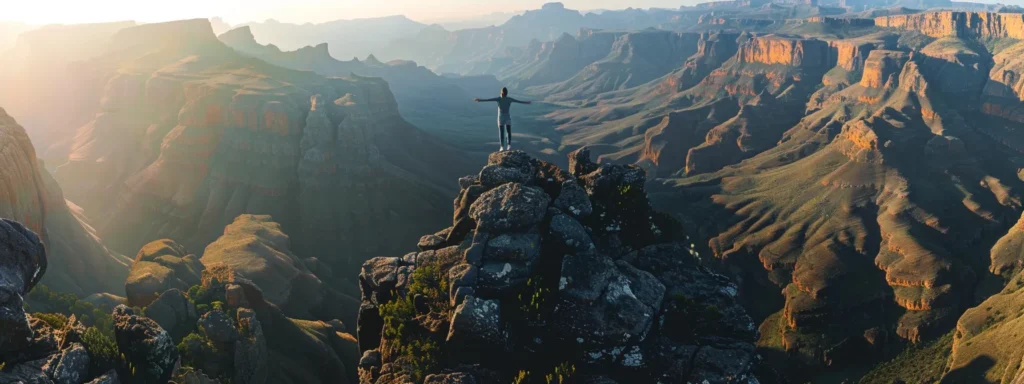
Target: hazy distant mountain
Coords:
[(9, 32), (37, 77), (497, 18), (347, 38), (437, 104), (465, 51)]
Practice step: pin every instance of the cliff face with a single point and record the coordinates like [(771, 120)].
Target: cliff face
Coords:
[(881, 67), (804, 53), (78, 262), (1004, 88), (194, 135), (958, 24)]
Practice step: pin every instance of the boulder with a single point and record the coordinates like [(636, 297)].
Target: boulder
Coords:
[(174, 312), (603, 304), (463, 275), (22, 263), (371, 358), (509, 207), (494, 175), (72, 367), (501, 277), (513, 247), (579, 162), (465, 201), (256, 248), (159, 266), (476, 326), (467, 181), (147, 348), (570, 234), (219, 327), (573, 199)]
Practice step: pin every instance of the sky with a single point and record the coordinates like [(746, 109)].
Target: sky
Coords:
[(295, 11)]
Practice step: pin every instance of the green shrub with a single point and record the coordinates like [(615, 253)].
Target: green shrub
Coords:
[(102, 351), (54, 320), (194, 349), (42, 299), (410, 345)]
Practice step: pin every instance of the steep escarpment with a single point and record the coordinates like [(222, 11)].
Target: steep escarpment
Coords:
[(772, 63), (193, 135), (871, 217), (958, 24), (1004, 88), (548, 272), (80, 263)]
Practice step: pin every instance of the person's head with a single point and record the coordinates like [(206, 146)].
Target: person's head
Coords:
[(504, 92)]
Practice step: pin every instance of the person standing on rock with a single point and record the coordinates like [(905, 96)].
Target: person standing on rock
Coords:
[(504, 117)]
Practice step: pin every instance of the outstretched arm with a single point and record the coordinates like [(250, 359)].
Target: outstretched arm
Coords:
[(520, 102), (479, 100)]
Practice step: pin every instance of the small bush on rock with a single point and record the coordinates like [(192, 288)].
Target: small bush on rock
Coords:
[(102, 351)]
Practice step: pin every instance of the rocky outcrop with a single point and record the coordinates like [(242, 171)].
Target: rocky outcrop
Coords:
[(882, 68), (79, 263), (22, 264), (958, 24), (255, 248), (570, 269), (160, 266), (150, 355)]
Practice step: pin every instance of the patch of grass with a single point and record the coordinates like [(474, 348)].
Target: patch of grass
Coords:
[(918, 363), (532, 305), (562, 373)]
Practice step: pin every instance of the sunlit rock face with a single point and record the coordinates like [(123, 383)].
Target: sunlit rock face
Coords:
[(958, 24), (78, 262)]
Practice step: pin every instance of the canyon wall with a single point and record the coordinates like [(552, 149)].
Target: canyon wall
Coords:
[(958, 24), (78, 263)]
